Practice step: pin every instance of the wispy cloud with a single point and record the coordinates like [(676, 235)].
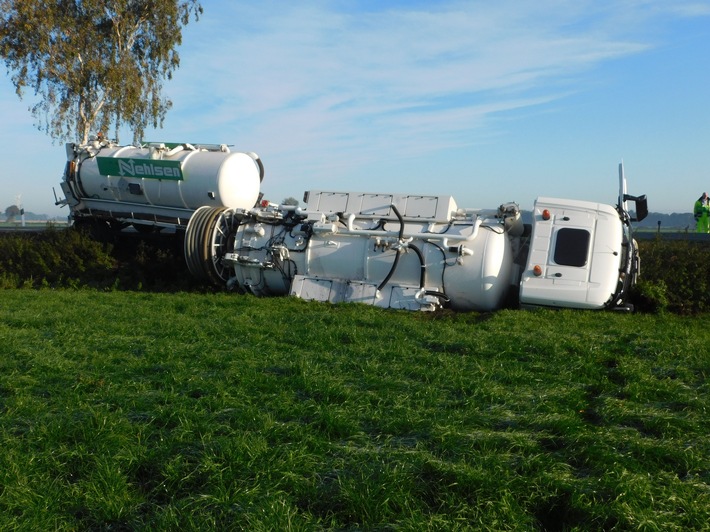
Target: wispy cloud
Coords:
[(311, 73), (690, 9)]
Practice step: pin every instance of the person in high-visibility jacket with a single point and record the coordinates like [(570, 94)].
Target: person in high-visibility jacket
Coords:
[(701, 212)]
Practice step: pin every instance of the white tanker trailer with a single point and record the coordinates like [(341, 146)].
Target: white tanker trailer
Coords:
[(421, 252), (389, 250), (156, 185)]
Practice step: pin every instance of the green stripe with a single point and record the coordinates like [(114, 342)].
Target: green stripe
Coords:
[(140, 168)]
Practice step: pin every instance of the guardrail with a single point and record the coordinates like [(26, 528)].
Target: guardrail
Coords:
[(31, 227), (690, 236)]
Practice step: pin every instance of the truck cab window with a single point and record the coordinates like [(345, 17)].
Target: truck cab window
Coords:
[(572, 247)]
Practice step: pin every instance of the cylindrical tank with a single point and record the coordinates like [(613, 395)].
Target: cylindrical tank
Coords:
[(478, 281), (481, 281), (398, 263), (183, 177)]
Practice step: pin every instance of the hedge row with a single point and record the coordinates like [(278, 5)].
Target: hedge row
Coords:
[(69, 258), (675, 275)]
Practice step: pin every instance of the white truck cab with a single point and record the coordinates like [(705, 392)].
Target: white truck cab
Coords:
[(582, 254)]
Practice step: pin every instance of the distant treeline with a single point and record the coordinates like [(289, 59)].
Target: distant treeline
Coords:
[(677, 220), (29, 217)]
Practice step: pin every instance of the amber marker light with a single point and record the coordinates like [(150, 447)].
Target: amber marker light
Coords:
[(546, 214), (537, 270)]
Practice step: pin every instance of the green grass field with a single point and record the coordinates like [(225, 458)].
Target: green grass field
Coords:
[(128, 410)]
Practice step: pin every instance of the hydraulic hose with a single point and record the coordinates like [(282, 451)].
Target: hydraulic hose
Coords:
[(422, 278), (422, 274), (391, 272), (401, 221), (399, 250)]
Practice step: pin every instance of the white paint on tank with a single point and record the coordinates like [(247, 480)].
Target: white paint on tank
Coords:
[(212, 178)]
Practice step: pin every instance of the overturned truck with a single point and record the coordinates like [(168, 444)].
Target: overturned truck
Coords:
[(389, 250)]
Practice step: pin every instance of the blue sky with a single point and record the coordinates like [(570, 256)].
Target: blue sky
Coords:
[(489, 102)]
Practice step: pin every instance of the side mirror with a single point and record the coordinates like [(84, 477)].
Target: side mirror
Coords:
[(641, 206)]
